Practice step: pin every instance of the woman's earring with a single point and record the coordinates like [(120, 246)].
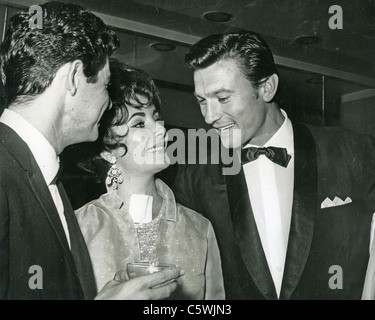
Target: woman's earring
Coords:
[(114, 175)]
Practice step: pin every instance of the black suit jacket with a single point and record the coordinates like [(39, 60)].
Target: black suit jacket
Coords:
[(328, 162), (31, 233)]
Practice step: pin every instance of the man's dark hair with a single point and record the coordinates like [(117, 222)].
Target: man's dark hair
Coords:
[(30, 57), (248, 49)]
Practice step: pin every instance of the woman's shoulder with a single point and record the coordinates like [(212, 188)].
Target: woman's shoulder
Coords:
[(93, 204), (192, 215), (97, 215), (104, 205)]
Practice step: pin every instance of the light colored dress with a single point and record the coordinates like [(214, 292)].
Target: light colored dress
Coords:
[(178, 235)]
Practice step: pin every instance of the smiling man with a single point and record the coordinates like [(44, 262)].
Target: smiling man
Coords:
[(304, 198), (55, 80)]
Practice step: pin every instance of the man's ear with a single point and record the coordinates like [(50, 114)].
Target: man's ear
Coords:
[(269, 88), (75, 72)]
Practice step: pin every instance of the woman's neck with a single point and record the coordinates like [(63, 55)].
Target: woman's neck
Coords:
[(139, 184)]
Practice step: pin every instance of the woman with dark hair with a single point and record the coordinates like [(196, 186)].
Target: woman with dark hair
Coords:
[(138, 218)]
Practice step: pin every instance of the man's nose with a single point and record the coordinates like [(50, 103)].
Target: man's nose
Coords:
[(109, 106), (212, 113)]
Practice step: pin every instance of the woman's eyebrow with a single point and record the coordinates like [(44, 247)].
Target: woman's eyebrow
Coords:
[(142, 114)]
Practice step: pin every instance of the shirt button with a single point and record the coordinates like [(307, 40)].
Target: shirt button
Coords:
[(279, 269)]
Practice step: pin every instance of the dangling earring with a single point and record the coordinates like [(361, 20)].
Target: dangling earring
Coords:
[(114, 175)]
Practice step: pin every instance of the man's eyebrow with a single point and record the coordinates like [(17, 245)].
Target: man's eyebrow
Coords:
[(222, 91), (197, 95), (214, 93)]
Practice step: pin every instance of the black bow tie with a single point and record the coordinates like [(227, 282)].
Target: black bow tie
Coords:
[(279, 156)]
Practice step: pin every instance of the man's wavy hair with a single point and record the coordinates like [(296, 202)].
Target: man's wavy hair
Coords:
[(30, 57), (248, 49)]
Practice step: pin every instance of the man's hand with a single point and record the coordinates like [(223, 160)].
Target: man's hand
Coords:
[(155, 286)]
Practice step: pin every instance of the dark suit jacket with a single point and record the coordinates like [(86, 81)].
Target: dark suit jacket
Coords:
[(328, 162), (31, 233)]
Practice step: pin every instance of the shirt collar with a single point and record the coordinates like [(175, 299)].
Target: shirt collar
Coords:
[(44, 154), (170, 201), (112, 199), (283, 137)]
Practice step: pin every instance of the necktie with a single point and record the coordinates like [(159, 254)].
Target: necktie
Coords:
[(74, 237), (58, 175), (79, 249), (56, 197), (279, 156)]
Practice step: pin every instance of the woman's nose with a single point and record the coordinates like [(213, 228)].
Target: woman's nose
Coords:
[(159, 128)]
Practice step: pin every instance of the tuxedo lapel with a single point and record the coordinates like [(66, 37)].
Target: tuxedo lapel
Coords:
[(247, 235), (303, 210)]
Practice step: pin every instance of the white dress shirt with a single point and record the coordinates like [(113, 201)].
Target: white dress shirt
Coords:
[(44, 154), (270, 188)]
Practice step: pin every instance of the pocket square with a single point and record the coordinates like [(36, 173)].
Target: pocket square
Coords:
[(327, 203)]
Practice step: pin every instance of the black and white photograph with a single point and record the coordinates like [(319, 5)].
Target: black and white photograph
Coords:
[(205, 151)]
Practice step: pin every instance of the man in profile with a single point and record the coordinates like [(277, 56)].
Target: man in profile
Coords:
[(55, 80)]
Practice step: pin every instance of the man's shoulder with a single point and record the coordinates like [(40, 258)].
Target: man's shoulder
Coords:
[(12, 147), (199, 176), (8, 136), (330, 130), (337, 135), (10, 168), (5, 155), (342, 145)]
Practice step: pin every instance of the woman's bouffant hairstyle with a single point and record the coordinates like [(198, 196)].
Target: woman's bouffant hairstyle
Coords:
[(126, 85)]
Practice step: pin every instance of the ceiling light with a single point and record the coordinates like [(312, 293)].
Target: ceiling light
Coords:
[(306, 40), (218, 16), (162, 46)]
